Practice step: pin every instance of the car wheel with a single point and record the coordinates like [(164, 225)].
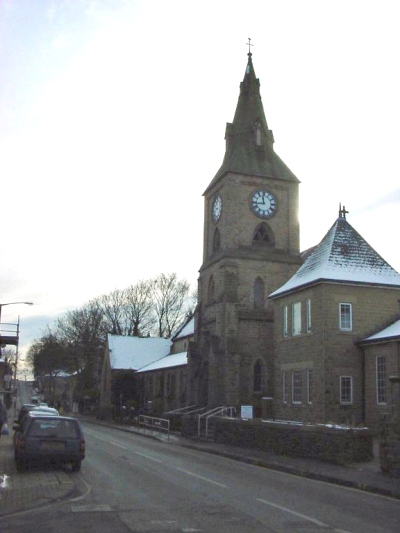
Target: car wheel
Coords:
[(76, 466), (21, 465)]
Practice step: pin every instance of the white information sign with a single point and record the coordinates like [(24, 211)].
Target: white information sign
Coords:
[(246, 412)]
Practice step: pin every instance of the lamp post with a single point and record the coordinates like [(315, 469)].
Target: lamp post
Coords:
[(15, 342), (13, 303)]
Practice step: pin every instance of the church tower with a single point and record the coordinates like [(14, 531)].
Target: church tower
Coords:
[(251, 247)]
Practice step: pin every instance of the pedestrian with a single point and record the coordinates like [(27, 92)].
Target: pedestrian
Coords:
[(3, 415)]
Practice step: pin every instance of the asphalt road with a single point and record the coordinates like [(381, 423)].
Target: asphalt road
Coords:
[(133, 484)]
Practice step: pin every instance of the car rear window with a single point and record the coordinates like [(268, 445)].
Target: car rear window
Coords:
[(54, 428)]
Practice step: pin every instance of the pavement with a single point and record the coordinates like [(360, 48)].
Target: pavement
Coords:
[(39, 487)]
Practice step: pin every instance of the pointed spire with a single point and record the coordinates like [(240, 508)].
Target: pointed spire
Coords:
[(249, 142)]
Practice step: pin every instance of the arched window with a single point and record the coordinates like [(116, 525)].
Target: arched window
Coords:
[(211, 291), (216, 240), (259, 293), (263, 235), (258, 376)]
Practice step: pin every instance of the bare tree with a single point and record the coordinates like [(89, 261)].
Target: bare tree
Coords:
[(138, 309), (112, 305), (170, 302)]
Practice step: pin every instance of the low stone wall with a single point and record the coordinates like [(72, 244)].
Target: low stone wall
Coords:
[(324, 443)]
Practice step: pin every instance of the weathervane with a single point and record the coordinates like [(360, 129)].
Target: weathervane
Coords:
[(342, 212), (249, 44)]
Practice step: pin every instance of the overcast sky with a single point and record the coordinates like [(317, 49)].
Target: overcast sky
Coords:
[(112, 123)]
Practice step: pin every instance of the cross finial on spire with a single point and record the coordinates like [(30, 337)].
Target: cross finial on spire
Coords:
[(342, 212), (249, 44)]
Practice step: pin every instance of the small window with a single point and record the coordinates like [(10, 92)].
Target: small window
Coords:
[(257, 381), (297, 385), (296, 318), (381, 380), (259, 293), (211, 291), (346, 390), (308, 315), (345, 317), (285, 321), (309, 385), (284, 386)]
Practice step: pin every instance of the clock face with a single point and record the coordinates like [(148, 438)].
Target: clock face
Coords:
[(263, 204), (217, 208)]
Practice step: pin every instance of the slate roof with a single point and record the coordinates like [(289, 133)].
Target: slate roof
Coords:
[(185, 329), (169, 361), (391, 332), (242, 155), (132, 353), (342, 256)]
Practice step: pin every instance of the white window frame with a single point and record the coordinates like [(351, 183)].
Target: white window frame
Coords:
[(309, 385), (381, 381), (342, 316), (284, 387), (285, 324), (308, 315), (296, 319), (349, 379), (297, 391)]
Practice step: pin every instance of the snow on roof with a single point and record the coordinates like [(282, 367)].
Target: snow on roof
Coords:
[(132, 353), (342, 255), (169, 361), (185, 330), (391, 331)]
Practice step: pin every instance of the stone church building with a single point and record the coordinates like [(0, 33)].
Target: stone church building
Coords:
[(274, 325), (310, 336)]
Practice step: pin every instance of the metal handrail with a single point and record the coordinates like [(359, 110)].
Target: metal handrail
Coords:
[(154, 424), (214, 412)]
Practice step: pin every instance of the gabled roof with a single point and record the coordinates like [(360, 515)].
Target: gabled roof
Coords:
[(342, 256), (392, 332), (243, 155), (132, 353), (185, 329), (169, 361)]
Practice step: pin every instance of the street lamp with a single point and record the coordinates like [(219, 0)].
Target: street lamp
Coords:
[(12, 340), (13, 303)]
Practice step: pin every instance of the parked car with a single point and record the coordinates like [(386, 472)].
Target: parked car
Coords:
[(29, 408), (43, 438)]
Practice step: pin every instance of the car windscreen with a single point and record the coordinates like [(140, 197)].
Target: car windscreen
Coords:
[(54, 428)]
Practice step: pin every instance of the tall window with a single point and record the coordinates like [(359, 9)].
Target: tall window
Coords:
[(284, 386), (381, 380), (285, 321), (297, 385), (216, 240), (309, 385), (345, 317), (211, 291), (259, 293), (296, 318), (257, 377), (308, 315), (346, 390)]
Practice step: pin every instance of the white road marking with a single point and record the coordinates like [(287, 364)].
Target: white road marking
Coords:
[(149, 457), (299, 515), (112, 442), (203, 478)]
